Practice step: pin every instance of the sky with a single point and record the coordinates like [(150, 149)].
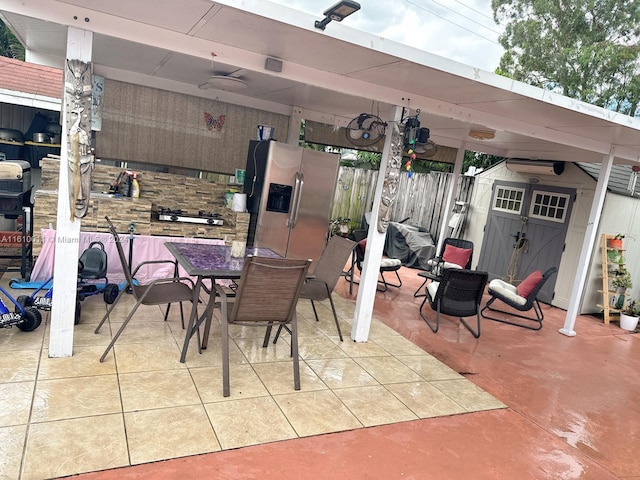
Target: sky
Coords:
[(461, 30)]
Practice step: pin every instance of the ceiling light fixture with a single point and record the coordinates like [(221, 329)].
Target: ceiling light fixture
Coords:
[(337, 12), (482, 134)]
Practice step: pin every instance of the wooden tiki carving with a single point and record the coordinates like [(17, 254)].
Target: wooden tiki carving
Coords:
[(80, 155)]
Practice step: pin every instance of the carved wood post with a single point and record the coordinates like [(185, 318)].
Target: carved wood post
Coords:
[(77, 90)]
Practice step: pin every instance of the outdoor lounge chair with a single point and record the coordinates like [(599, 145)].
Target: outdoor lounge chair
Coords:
[(521, 298), (158, 292), (267, 295), (458, 294), (454, 251)]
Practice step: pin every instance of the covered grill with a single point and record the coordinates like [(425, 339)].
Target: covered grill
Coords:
[(15, 176), (15, 203)]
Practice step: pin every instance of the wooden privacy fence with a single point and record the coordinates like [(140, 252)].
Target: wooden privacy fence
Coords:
[(420, 199)]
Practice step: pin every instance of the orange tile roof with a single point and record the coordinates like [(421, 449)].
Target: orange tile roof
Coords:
[(30, 78)]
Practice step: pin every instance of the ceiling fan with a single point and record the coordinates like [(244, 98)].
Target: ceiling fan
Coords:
[(365, 130), (229, 82)]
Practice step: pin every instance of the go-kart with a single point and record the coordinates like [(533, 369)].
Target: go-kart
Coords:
[(92, 280), (24, 317)]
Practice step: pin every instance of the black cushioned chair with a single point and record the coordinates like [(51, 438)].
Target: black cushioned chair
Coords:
[(508, 294), (438, 262), (386, 264), (458, 294)]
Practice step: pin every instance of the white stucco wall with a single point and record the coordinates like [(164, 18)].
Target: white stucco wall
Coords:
[(572, 177), (621, 214)]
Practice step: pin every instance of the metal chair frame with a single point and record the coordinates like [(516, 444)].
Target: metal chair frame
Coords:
[(158, 292), (267, 295), (532, 303), (459, 294), (356, 261)]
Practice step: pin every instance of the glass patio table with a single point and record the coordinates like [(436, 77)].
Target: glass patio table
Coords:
[(208, 262)]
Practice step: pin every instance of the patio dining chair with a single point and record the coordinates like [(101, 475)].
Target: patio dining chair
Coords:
[(458, 293), (328, 270), (522, 298), (162, 291), (326, 274), (267, 295)]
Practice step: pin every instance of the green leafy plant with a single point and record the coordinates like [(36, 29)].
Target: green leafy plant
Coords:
[(632, 308), (615, 256), (622, 279), (618, 236)]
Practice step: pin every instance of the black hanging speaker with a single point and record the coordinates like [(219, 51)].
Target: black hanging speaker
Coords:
[(423, 135), (411, 131)]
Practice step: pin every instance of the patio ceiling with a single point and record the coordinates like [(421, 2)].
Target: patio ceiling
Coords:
[(331, 76)]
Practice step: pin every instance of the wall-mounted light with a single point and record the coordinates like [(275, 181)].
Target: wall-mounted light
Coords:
[(338, 12)]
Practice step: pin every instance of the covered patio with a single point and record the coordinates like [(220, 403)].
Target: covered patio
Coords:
[(406, 404), (287, 66)]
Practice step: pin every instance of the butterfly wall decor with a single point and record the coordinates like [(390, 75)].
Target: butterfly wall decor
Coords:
[(214, 123)]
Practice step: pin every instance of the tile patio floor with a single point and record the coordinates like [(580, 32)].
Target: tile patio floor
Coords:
[(395, 410), (64, 416)]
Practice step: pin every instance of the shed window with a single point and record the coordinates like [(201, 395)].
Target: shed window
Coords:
[(508, 199), (549, 206)]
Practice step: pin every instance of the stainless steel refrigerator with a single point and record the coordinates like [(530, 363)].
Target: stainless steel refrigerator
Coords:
[(289, 193)]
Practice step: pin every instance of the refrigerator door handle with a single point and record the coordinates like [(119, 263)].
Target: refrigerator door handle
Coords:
[(297, 194)]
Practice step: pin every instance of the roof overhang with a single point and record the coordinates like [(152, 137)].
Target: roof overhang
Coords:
[(327, 76)]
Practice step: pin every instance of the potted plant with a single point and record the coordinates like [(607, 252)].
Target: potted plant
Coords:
[(621, 281), (615, 241), (630, 315), (341, 226)]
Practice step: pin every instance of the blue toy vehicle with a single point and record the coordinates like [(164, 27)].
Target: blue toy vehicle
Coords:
[(25, 318), (92, 280)]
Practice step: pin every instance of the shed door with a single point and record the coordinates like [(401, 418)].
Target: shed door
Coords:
[(525, 231)]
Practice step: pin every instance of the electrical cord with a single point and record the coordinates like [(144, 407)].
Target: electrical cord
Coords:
[(255, 168)]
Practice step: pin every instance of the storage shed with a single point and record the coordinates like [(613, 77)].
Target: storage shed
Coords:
[(522, 219)]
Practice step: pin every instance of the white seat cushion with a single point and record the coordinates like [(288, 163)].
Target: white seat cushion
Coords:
[(432, 262), (390, 262), (432, 288), (506, 290)]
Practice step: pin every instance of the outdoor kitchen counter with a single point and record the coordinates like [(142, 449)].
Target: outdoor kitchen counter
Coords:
[(124, 210)]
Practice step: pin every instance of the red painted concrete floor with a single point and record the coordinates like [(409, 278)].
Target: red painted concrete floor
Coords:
[(573, 411)]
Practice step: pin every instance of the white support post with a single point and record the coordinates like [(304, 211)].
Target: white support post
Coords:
[(65, 268), (375, 246), (587, 244), (457, 169)]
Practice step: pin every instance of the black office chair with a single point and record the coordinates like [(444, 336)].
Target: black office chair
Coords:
[(441, 261), (458, 294)]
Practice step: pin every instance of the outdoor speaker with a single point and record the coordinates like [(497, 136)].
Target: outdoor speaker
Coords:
[(273, 65)]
